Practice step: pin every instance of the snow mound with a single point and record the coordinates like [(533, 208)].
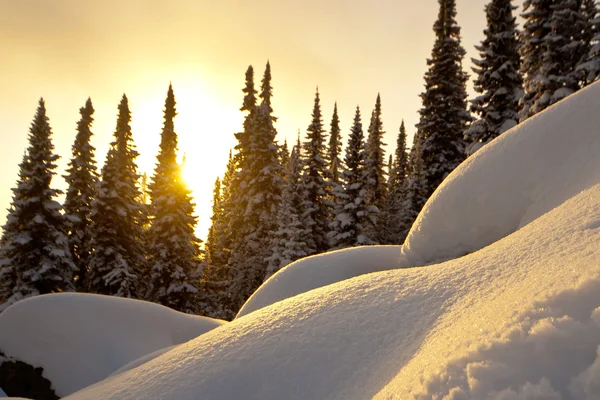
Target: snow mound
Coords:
[(514, 320), (80, 339), (516, 178), (321, 270)]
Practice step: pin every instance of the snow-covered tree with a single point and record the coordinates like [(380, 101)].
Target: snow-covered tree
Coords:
[(34, 249), (375, 181), (589, 68), (351, 212), (394, 227), (173, 246), (289, 241), (444, 116), (498, 82), (81, 178), (284, 155), (563, 51), (258, 197), (117, 264), (416, 185), (536, 15), (334, 149), (313, 179)]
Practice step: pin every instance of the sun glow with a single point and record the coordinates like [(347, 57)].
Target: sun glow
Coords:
[(204, 125)]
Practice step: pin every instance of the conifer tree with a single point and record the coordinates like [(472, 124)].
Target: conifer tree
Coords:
[(589, 68), (81, 178), (564, 50), (210, 246), (334, 149), (284, 155), (375, 180), (536, 14), (118, 264), (258, 200), (351, 211), (291, 237), (443, 117), (397, 192), (34, 249), (416, 184), (498, 82), (173, 246), (313, 179)]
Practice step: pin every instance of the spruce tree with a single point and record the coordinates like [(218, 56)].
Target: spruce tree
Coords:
[(81, 178), (397, 192), (564, 49), (117, 264), (289, 241), (498, 82), (375, 180), (351, 211), (258, 199), (537, 25), (313, 180), (334, 149), (284, 155), (173, 246), (589, 68), (34, 249), (443, 117), (416, 184)]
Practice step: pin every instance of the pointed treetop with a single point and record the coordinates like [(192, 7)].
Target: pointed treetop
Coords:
[(266, 90), (250, 92)]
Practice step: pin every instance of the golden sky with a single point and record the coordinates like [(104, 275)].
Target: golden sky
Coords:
[(68, 50)]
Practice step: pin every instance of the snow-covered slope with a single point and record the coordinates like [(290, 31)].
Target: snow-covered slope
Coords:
[(80, 339), (510, 182), (321, 270), (516, 319)]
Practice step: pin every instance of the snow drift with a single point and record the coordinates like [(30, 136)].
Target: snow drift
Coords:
[(516, 318), (80, 339), (516, 178)]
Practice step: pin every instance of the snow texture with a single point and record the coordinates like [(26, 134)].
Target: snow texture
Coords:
[(321, 270), (517, 318), (80, 339)]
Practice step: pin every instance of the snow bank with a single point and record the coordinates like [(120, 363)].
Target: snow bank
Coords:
[(410, 333), (321, 270), (80, 339), (518, 177), (516, 319)]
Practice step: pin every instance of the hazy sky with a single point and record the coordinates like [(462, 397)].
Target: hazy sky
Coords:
[(68, 50)]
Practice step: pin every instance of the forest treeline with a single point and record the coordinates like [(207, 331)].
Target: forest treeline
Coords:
[(119, 233)]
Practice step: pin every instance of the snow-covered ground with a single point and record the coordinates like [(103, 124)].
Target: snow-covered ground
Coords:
[(80, 339), (513, 314)]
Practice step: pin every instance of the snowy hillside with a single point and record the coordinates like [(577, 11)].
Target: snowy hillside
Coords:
[(518, 317), (80, 339)]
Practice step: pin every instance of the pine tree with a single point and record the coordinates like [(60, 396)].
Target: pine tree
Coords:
[(351, 211), (118, 264), (259, 196), (334, 149), (443, 117), (395, 228), (82, 179), (34, 249), (375, 180), (564, 49), (416, 185), (291, 237), (173, 246), (284, 155), (536, 27), (313, 180), (498, 80), (589, 68)]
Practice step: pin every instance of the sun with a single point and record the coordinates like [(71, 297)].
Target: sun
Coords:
[(205, 126)]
